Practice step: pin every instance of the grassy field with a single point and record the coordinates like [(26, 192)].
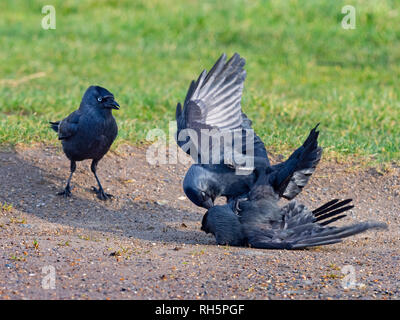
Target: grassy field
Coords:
[(303, 67)]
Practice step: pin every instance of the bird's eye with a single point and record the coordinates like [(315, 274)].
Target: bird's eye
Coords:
[(203, 195), (99, 99)]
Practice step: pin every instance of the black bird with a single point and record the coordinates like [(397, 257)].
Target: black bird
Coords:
[(213, 103), (261, 223), (88, 133)]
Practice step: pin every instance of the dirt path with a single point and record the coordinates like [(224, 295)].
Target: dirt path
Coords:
[(147, 243)]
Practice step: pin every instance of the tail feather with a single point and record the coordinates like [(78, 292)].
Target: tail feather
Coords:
[(330, 206), (325, 223), (54, 125), (331, 209), (293, 174), (334, 213), (326, 205)]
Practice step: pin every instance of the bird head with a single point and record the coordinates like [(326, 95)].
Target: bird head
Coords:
[(99, 97), (199, 187), (224, 224), (199, 197)]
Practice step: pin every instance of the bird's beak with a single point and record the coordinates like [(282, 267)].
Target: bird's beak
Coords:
[(110, 102), (113, 105)]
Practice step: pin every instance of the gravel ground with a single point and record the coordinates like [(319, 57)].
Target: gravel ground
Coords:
[(147, 242)]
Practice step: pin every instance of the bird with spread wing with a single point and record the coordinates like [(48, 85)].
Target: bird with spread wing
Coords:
[(211, 110)]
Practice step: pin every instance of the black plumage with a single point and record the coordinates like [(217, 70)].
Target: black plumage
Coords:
[(88, 133), (212, 108), (262, 223)]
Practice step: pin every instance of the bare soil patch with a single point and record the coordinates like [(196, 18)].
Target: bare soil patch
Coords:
[(147, 242)]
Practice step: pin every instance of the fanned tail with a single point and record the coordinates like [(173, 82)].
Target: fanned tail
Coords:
[(54, 125), (331, 210), (293, 174)]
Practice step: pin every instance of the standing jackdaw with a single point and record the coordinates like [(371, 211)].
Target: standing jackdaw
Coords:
[(212, 109), (88, 133)]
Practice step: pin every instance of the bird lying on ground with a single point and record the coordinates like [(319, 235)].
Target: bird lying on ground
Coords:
[(212, 108), (88, 133), (261, 223)]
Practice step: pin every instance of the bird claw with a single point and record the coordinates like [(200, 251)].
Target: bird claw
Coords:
[(101, 194), (66, 193), (237, 204)]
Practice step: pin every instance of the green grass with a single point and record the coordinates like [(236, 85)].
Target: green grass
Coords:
[(302, 67)]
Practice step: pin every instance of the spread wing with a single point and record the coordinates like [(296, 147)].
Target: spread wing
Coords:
[(67, 127), (301, 228), (212, 109)]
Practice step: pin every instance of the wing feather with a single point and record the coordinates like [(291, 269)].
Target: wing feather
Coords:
[(69, 126), (301, 228), (214, 100)]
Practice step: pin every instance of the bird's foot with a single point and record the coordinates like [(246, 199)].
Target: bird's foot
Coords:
[(66, 193), (237, 204), (101, 194)]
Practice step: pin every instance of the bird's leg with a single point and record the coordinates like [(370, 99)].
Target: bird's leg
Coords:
[(67, 191), (100, 191)]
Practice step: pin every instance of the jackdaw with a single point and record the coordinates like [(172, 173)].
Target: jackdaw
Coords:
[(261, 223), (212, 109), (88, 133)]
